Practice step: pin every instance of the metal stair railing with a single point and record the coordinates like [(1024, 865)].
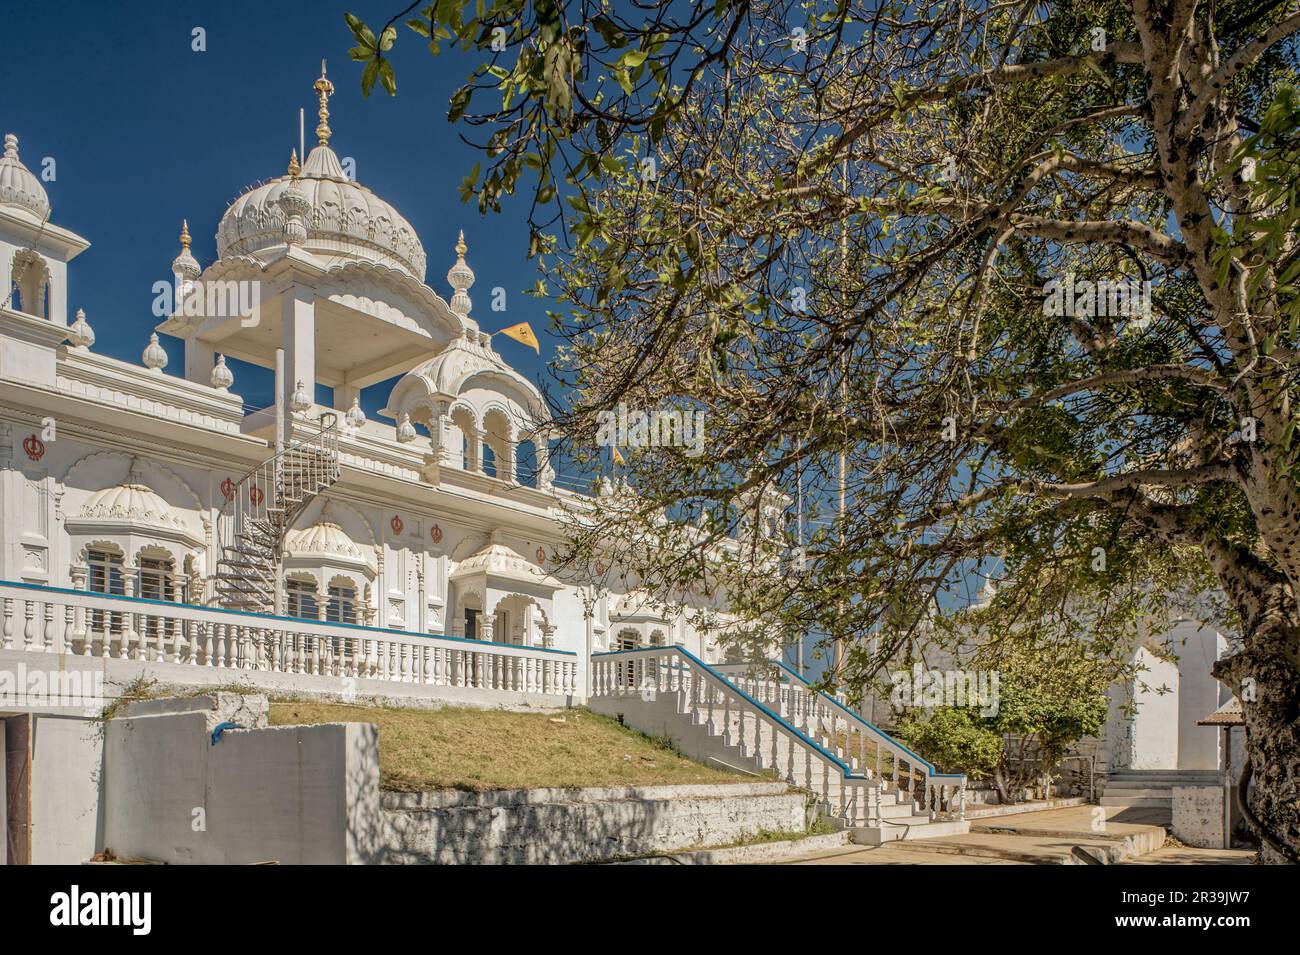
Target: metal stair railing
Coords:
[(259, 511)]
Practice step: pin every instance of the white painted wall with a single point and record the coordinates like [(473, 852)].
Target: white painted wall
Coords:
[(294, 794), (4, 805), (1199, 695), (65, 789), (1155, 727)]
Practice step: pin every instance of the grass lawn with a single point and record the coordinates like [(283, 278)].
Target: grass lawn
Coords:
[(463, 748)]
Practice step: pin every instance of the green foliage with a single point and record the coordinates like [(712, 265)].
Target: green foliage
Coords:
[(955, 740)]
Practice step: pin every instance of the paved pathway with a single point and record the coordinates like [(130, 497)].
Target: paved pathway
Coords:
[(1045, 837)]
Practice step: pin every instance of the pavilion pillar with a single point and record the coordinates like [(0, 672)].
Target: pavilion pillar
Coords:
[(298, 324), (200, 359), (343, 395)]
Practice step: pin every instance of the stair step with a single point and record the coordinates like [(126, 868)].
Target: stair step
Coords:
[(920, 828), (1138, 801)]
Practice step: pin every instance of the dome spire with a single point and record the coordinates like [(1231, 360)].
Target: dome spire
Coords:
[(324, 89), (11, 146), (461, 277), (294, 168), (185, 265)]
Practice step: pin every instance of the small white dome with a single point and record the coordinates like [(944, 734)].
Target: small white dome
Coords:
[(323, 539), (345, 220), (18, 185), (134, 502)]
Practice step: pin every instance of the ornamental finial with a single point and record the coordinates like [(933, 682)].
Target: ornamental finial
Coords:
[(324, 89), (11, 146), (185, 234), (461, 277), (294, 168)]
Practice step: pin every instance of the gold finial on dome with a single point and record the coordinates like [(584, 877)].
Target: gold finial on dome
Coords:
[(294, 168), (185, 234), (324, 89), (461, 247)]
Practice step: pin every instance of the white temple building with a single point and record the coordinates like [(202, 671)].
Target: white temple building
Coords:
[(116, 476), (155, 526)]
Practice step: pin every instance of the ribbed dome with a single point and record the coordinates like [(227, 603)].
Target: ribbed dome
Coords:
[(324, 539), (344, 219), (18, 185), (132, 502)]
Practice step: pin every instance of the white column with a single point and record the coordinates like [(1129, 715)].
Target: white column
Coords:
[(200, 357), (343, 395), (298, 324)]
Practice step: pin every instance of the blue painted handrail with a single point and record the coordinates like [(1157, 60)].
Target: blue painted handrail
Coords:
[(930, 767), (385, 631), (705, 668)]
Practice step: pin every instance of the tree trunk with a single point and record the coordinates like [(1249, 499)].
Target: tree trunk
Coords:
[(1265, 674)]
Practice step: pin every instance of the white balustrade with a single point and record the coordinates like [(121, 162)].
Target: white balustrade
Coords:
[(744, 719), (50, 620), (864, 747)]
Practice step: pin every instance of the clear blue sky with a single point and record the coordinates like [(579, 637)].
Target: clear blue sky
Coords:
[(146, 132)]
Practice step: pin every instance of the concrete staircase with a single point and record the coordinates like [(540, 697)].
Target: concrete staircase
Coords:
[(1152, 788), (857, 777)]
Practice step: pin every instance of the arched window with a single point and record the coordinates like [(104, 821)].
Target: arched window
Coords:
[(156, 580), (489, 460), (342, 605), (29, 284), (526, 463), (104, 576), (300, 599)]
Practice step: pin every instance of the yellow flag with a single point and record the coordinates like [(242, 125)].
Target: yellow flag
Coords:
[(522, 333), (618, 458)]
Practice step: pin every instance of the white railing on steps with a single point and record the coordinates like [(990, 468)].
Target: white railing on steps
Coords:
[(853, 738), (767, 731), (92, 625)]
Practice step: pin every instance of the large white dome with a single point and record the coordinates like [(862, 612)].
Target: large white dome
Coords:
[(18, 185), (345, 219)]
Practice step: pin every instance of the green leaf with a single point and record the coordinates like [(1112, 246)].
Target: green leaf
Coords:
[(368, 77), (459, 103)]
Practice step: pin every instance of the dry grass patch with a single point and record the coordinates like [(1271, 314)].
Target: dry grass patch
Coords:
[(464, 748)]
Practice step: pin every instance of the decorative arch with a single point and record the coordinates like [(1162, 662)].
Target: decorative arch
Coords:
[(195, 502), (30, 283)]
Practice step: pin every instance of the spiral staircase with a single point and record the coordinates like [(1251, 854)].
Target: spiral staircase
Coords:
[(259, 511)]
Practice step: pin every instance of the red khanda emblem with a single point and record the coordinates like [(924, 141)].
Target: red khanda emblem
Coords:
[(600, 568), (256, 496), (227, 489), (436, 534), (34, 447), (396, 524), (541, 555)]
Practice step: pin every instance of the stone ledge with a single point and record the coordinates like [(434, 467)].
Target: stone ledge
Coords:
[(461, 798)]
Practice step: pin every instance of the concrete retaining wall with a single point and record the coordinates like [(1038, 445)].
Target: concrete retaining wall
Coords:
[(292, 794), (310, 794), (579, 825), (1198, 816)]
